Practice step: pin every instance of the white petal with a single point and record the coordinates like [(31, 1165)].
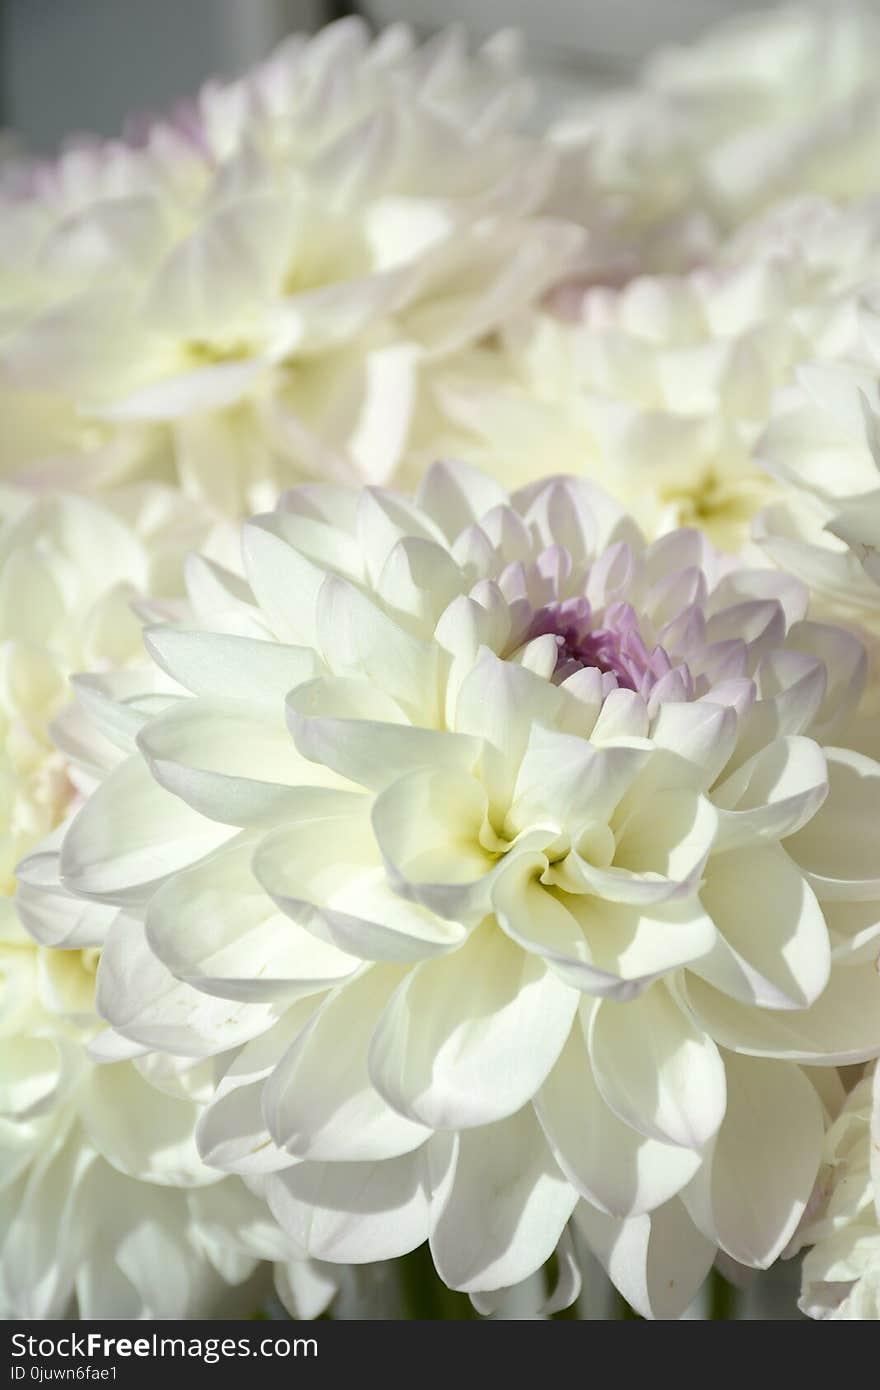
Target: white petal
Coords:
[(702, 736), (638, 944), (662, 844), (108, 1046), (839, 1029), (385, 521), (35, 1074), (419, 580), (214, 279), (671, 837), (569, 780), (231, 1132), (215, 929), (234, 1223), (56, 918), (131, 834), (760, 623), (151, 1253), (329, 315), (792, 686), (658, 1262), (656, 1069), (276, 570), (144, 1002), (624, 715), (753, 1193), (343, 896), (141, 1131), (305, 1288), (454, 495), (499, 701), (184, 392), (116, 706), (762, 584), (358, 639), (837, 849), (845, 662), (773, 794), (468, 1039), (501, 1210), (90, 343), (319, 520), (234, 762), (428, 826), (220, 599), (600, 947), (387, 398), (361, 733), (353, 1213), (613, 1166), (238, 668), (39, 1250), (778, 956), (319, 1101)]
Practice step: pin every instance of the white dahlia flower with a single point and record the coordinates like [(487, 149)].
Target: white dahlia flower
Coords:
[(659, 390), (246, 294), (841, 1273), (762, 107), (509, 866), (106, 1209)]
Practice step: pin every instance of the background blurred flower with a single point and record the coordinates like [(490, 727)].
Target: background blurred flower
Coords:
[(660, 389), (246, 296), (763, 107), (822, 445)]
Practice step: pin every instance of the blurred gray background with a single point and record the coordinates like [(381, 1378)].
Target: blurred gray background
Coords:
[(82, 65)]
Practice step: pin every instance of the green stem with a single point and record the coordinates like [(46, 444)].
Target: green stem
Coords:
[(723, 1298)]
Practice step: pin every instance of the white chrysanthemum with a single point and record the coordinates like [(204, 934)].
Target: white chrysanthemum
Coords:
[(841, 1273), (248, 295), (105, 1206), (763, 107), (499, 852), (658, 390)]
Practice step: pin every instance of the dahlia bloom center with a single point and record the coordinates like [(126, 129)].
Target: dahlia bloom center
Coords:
[(612, 644)]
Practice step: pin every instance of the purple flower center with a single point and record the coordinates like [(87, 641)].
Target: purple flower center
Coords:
[(615, 646)]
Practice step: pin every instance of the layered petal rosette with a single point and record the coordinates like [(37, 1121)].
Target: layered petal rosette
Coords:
[(247, 292), (106, 1208), (841, 1273), (511, 869)]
